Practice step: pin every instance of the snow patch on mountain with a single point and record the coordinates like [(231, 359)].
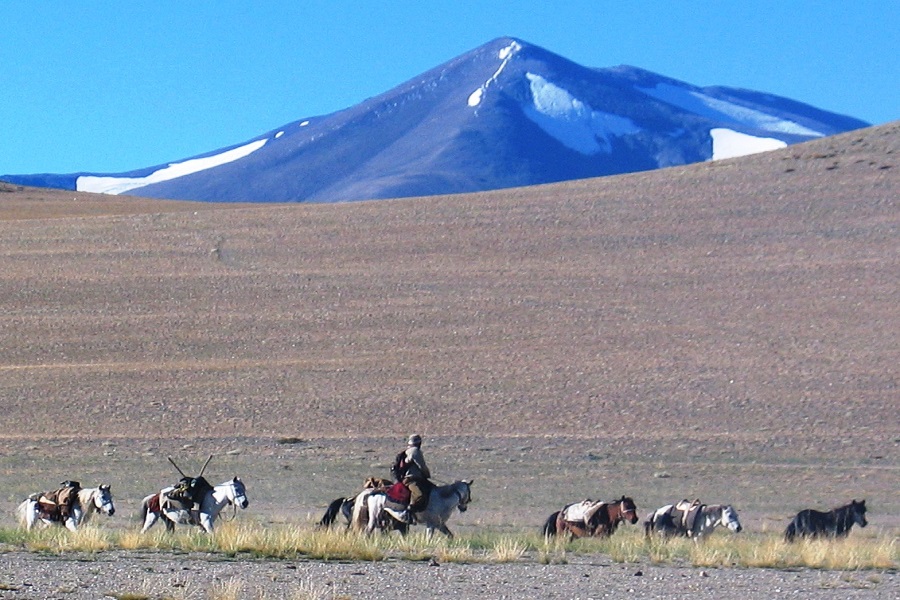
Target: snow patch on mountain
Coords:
[(728, 143), (505, 55), (120, 185), (573, 122), (713, 108)]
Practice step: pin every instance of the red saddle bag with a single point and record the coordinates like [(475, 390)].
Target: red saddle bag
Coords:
[(398, 493)]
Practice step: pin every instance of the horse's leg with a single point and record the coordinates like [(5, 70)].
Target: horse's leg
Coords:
[(445, 530), (71, 523), (206, 521), (169, 522)]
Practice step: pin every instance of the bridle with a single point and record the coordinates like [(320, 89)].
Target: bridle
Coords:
[(623, 511), (464, 499), (232, 502)]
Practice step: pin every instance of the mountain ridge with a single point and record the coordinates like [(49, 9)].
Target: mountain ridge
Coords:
[(505, 114)]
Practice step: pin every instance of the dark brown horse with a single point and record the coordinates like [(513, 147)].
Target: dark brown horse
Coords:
[(591, 519), (834, 523)]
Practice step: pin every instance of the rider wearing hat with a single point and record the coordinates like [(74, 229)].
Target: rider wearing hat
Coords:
[(414, 473)]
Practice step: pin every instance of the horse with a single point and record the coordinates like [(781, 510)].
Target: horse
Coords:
[(589, 518), (441, 502), (834, 524), (174, 511), (692, 519), (87, 502), (344, 506)]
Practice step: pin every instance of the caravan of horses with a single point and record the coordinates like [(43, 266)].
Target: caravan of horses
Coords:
[(194, 502)]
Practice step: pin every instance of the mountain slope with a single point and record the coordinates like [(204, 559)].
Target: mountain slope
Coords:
[(503, 115)]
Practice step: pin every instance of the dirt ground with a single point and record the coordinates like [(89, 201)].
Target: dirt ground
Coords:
[(724, 331), (201, 577)]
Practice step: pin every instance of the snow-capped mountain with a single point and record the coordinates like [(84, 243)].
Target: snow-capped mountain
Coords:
[(506, 114)]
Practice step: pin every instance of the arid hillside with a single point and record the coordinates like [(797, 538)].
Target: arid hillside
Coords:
[(745, 309)]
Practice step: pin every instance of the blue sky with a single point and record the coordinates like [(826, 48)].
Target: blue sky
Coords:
[(113, 86)]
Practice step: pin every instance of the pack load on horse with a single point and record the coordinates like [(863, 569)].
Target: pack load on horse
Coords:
[(192, 501), (691, 519), (56, 505), (69, 505), (189, 492), (590, 518)]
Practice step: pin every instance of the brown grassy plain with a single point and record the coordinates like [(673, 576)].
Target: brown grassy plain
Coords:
[(727, 331)]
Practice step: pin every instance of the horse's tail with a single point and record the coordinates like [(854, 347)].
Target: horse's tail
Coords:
[(549, 527), (145, 508), (791, 532), (22, 513), (332, 512)]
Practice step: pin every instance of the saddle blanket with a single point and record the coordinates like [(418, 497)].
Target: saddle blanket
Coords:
[(398, 493)]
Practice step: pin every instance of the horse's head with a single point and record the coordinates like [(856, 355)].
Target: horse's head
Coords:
[(464, 491), (103, 501), (237, 493), (730, 519), (627, 510), (858, 510)]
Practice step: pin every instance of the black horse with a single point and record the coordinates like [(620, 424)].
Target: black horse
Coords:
[(836, 523)]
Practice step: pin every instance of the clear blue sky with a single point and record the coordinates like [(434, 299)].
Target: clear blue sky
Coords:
[(113, 86)]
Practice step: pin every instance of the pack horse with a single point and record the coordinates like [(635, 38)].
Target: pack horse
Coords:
[(193, 501), (692, 519), (70, 506), (589, 518)]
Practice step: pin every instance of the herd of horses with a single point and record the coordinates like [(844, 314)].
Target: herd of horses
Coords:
[(194, 502)]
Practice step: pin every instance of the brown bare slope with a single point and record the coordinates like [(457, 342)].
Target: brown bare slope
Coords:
[(750, 300)]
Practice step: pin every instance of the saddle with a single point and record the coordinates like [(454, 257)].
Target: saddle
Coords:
[(56, 505), (582, 512), (685, 513)]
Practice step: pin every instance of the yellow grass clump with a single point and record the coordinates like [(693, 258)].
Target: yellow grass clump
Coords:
[(287, 541)]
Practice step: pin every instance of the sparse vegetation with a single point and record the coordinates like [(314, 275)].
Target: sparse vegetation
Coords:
[(761, 550)]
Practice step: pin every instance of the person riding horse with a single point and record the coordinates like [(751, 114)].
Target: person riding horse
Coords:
[(410, 468)]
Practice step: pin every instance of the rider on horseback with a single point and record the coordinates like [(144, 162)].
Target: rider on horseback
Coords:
[(410, 468)]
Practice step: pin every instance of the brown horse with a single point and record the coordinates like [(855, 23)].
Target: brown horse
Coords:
[(591, 519)]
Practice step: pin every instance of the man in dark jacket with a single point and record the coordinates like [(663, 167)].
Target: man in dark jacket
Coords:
[(410, 468)]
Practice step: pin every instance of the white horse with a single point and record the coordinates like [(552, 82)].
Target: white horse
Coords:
[(699, 521), (87, 502), (171, 511), (441, 502)]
